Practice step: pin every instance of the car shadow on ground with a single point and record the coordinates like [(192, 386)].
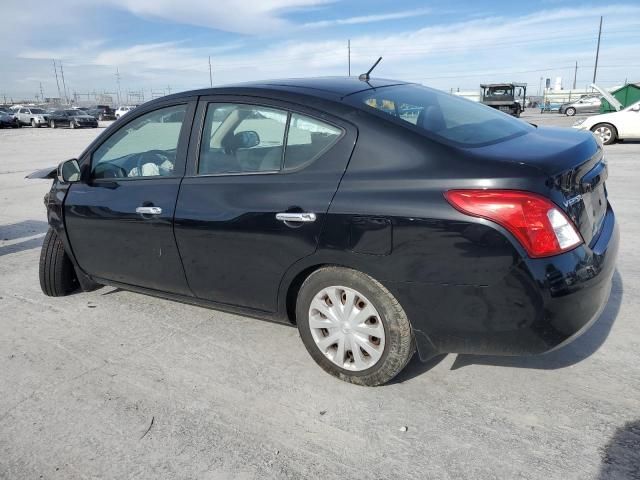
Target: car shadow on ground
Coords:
[(32, 231), (581, 348), (621, 456)]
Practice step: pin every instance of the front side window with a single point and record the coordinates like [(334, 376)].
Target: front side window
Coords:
[(447, 117), (144, 147), (239, 138)]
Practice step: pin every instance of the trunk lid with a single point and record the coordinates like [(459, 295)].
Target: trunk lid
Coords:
[(574, 168)]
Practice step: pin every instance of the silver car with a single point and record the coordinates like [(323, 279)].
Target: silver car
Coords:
[(584, 105), (36, 117)]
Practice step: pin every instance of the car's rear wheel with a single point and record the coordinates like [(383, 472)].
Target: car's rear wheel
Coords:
[(57, 276), (52, 124), (570, 112), (606, 132), (353, 327)]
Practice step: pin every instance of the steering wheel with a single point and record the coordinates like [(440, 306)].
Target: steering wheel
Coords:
[(109, 170), (157, 157)]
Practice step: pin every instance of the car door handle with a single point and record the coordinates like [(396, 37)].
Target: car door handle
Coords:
[(149, 210), (296, 217)]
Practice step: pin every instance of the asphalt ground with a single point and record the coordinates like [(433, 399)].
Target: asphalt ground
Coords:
[(113, 384)]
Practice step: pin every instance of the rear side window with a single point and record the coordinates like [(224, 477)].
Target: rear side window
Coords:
[(243, 138), (307, 139), (447, 117), (240, 138)]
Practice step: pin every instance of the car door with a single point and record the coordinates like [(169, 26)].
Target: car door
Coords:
[(628, 122), (119, 219), (260, 178)]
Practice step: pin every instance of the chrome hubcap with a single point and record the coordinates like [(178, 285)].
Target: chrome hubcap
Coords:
[(604, 133), (347, 328)]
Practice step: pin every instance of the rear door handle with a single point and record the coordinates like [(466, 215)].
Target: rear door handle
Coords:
[(149, 210), (296, 217)]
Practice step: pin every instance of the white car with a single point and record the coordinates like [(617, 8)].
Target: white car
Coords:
[(613, 126), (123, 110)]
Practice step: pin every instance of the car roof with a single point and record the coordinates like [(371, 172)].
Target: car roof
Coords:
[(330, 88)]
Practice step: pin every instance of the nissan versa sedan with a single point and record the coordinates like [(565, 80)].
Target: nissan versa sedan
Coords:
[(380, 217)]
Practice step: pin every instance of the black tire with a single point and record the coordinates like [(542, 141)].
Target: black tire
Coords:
[(570, 112), (614, 133), (399, 344), (34, 124), (57, 276), (72, 124), (52, 124)]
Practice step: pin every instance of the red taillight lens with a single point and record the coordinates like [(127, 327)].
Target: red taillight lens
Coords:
[(538, 224)]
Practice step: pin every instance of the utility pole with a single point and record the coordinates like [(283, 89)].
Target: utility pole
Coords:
[(55, 70), (169, 89), (595, 67), (540, 87), (41, 92), (575, 75), (349, 55), (64, 85), (118, 81), (210, 74)]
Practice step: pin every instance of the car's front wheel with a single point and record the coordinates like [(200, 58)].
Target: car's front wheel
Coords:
[(52, 124), (353, 327), (72, 124), (57, 276), (570, 112), (606, 132), (34, 124)]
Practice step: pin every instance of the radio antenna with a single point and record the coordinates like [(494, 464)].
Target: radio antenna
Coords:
[(365, 76)]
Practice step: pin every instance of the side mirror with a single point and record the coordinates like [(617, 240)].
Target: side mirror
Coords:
[(246, 139), (69, 171)]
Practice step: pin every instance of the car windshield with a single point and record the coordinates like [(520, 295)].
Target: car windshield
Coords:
[(37, 110), (442, 116), (633, 105), (75, 113)]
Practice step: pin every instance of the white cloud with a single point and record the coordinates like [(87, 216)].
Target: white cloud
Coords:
[(241, 16), (369, 18)]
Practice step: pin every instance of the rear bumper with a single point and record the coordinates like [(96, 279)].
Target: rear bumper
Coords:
[(540, 305)]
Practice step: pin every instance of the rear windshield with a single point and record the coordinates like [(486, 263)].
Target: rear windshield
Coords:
[(453, 119)]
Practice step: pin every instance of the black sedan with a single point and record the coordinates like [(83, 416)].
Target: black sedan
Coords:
[(72, 119), (8, 119), (379, 217), (102, 112)]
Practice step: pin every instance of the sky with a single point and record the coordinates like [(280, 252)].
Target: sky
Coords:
[(162, 46)]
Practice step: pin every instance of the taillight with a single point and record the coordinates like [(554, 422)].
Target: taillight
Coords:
[(538, 224)]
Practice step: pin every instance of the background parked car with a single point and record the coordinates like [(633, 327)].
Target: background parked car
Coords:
[(123, 110), (8, 120), (72, 119), (36, 117), (613, 126), (584, 105), (101, 112)]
